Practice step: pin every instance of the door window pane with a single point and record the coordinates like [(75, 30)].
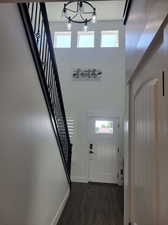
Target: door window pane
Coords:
[(104, 127)]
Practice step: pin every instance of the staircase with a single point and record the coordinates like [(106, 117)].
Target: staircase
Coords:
[(35, 20)]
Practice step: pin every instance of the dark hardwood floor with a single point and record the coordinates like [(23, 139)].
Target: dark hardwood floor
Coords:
[(94, 204)]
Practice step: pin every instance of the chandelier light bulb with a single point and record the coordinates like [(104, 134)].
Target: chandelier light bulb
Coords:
[(94, 18), (85, 26), (69, 25)]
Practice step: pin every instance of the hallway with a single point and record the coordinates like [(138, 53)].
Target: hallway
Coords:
[(84, 98), (94, 204)]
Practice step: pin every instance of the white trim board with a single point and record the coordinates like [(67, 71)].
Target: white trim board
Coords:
[(104, 178), (60, 209), (79, 179)]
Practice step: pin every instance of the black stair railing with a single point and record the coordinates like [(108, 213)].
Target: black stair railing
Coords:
[(35, 20)]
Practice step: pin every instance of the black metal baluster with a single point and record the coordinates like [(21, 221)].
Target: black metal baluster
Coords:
[(47, 67), (45, 59), (35, 19), (32, 11), (29, 7), (51, 90), (38, 28), (41, 39), (49, 77), (43, 50)]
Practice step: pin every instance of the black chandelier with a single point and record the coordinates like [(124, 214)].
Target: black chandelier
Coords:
[(79, 11)]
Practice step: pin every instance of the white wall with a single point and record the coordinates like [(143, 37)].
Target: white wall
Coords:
[(81, 99), (143, 23), (33, 184)]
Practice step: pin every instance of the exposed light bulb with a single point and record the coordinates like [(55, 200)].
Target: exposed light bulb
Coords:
[(69, 25), (85, 26), (94, 18)]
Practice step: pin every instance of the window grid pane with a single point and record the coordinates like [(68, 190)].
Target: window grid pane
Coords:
[(62, 40), (104, 127), (110, 39), (86, 39)]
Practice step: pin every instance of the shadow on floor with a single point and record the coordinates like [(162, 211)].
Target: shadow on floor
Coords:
[(94, 204)]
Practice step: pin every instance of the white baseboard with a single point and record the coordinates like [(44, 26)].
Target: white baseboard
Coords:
[(60, 209), (104, 178), (79, 179)]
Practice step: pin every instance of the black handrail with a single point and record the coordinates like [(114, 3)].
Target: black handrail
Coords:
[(126, 10), (35, 20)]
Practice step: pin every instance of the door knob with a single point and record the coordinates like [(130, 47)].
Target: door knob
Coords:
[(91, 152)]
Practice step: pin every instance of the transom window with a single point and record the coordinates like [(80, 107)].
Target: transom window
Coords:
[(62, 40), (103, 127), (110, 39), (85, 39)]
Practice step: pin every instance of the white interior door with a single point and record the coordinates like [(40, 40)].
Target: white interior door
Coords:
[(149, 154), (144, 158), (103, 150)]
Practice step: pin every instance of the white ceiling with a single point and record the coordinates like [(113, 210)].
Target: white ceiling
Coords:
[(105, 10)]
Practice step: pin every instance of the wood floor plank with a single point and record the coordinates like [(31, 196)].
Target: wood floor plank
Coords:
[(94, 204)]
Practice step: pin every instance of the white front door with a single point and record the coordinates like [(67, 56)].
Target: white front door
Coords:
[(103, 150)]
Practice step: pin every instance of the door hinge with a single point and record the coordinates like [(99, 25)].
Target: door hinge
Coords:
[(163, 83)]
